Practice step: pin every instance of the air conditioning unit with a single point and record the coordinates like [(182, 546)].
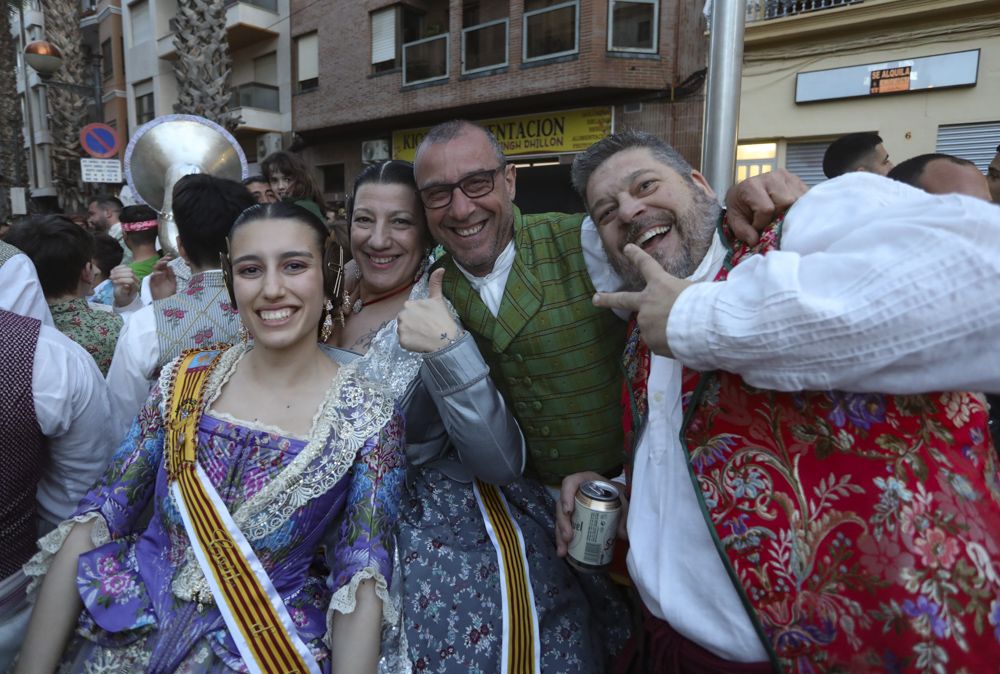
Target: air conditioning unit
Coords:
[(374, 150), (267, 143)]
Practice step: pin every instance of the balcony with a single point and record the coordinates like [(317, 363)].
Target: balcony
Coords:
[(256, 95), (484, 46), (763, 10), (426, 60)]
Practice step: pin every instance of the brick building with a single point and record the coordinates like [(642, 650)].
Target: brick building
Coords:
[(548, 76)]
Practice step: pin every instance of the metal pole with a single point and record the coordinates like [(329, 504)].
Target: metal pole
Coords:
[(722, 103), (32, 159)]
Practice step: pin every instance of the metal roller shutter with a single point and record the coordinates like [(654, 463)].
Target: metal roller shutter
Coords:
[(975, 142), (806, 161)]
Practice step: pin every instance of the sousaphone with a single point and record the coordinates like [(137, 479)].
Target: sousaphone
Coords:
[(170, 147)]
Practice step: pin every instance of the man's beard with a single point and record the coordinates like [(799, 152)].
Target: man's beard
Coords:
[(694, 228)]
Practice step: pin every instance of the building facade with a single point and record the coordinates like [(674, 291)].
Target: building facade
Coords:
[(549, 77), (258, 35), (923, 74)]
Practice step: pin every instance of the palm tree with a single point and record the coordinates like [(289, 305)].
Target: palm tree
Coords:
[(203, 61), (67, 109), (13, 172)]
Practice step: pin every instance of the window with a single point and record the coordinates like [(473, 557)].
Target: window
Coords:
[(145, 109), (632, 25), (394, 27), (550, 29), (142, 27), (265, 69), (384, 39), (485, 31), (333, 178), (755, 159), (107, 61), (306, 62), (425, 60)]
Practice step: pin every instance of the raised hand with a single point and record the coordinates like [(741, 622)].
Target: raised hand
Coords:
[(126, 285), (162, 281), (652, 304), (426, 326), (754, 203)]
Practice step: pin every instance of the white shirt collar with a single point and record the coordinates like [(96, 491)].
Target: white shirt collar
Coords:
[(501, 268)]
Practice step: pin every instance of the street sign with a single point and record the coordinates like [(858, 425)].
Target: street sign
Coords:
[(101, 170), (99, 140)]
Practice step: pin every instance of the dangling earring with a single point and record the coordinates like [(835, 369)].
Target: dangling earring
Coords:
[(245, 336), (327, 329)]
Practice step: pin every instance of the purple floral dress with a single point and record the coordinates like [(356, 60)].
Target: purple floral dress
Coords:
[(147, 607)]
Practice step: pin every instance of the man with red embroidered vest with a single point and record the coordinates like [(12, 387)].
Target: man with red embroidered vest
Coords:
[(791, 524), (53, 413), (205, 208)]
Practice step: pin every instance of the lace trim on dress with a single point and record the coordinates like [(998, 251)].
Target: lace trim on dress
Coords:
[(36, 567), (352, 411), (345, 600), (253, 425)]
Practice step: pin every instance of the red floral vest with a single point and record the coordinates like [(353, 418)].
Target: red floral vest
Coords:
[(862, 530)]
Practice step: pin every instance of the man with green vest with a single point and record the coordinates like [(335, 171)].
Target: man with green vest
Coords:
[(522, 288)]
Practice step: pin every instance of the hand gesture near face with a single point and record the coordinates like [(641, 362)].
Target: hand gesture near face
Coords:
[(754, 203), (426, 326), (653, 303), (162, 281)]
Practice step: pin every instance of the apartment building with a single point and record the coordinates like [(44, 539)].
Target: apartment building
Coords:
[(258, 35), (924, 74), (101, 29), (549, 77)]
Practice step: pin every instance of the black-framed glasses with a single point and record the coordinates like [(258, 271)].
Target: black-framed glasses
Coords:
[(474, 185)]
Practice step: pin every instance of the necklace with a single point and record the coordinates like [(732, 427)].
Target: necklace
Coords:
[(360, 303)]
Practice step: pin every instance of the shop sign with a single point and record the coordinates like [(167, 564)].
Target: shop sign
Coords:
[(890, 80), (546, 133)]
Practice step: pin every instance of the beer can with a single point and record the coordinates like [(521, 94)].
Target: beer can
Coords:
[(595, 525)]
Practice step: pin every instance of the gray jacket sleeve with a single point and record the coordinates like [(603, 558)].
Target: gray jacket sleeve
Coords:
[(483, 433)]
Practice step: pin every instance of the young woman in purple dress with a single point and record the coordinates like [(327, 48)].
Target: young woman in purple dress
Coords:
[(303, 454)]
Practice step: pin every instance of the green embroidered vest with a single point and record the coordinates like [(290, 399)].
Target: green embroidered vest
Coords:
[(553, 355)]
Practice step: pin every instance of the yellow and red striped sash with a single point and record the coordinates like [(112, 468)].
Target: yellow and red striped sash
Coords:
[(521, 648), (260, 633)]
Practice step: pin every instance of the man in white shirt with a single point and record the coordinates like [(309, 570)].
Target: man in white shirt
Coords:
[(20, 289), (54, 446), (815, 528), (102, 216), (205, 208)]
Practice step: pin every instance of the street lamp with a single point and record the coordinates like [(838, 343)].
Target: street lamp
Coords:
[(46, 60)]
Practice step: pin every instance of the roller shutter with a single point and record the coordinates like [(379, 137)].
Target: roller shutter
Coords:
[(806, 161), (975, 142)]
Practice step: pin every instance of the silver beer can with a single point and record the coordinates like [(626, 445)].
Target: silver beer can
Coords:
[(595, 525)]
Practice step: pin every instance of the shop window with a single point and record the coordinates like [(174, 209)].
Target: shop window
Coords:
[(551, 30), (632, 25), (755, 159), (306, 62), (145, 108)]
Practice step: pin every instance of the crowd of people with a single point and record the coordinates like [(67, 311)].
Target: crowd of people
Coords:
[(290, 450)]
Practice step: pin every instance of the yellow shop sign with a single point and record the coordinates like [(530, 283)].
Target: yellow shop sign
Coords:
[(564, 131)]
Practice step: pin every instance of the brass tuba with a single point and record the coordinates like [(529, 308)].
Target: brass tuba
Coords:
[(166, 149)]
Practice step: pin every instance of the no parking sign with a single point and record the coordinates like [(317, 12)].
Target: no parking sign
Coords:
[(99, 140)]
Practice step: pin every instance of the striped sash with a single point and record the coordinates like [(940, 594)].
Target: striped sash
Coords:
[(521, 649), (254, 612)]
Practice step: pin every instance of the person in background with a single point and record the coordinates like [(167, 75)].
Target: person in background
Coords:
[(260, 189), (291, 180), (140, 226), (103, 214), (204, 209), (53, 447), (856, 152), (107, 255), (942, 174), (63, 253)]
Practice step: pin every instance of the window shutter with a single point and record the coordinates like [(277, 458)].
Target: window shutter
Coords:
[(384, 35), (975, 142), (806, 161), (308, 57)]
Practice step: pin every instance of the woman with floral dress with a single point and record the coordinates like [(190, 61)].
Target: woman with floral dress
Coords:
[(461, 443), (299, 452)]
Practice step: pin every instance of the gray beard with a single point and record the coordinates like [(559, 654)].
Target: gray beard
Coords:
[(694, 228)]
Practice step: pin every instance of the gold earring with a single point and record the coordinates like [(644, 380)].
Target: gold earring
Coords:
[(327, 329), (245, 335)]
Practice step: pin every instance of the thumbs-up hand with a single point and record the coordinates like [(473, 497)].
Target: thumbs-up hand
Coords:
[(426, 326)]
